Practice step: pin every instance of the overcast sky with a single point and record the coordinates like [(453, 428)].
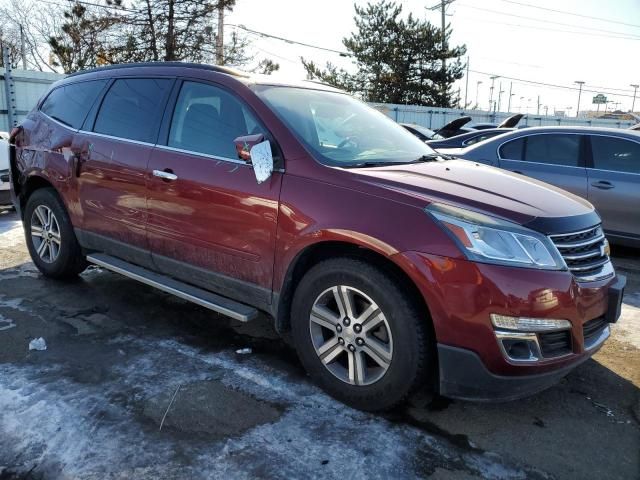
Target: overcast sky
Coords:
[(502, 38)]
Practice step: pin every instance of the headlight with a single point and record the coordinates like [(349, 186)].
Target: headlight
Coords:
[(491, 240)]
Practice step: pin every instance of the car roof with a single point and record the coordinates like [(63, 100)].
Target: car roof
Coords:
[(523, 132), (244, 77)]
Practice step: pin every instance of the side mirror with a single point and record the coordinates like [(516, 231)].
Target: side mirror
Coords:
[(256, 150), (244, 145)]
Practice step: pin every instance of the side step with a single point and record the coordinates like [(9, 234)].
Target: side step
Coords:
[(223, 305)]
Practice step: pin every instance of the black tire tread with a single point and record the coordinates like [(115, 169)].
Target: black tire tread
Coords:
[(413, 319), (71, 260)]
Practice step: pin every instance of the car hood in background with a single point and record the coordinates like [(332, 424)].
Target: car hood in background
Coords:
[(490, 190)]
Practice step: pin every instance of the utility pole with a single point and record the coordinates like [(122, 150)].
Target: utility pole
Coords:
[(443, 11), (546, 110), (538, 110), (443, 8), (510, 95), (466, 88), (635, 89), (477, 90), (220, 39), (500, 92), (23, 48), (580, 83)]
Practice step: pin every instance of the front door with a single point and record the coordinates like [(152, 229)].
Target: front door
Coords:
[(210, 223), (112, 168)]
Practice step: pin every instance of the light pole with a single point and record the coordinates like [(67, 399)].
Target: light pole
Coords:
[(580, 83), (635, 89), (520, 105), (477, 90), (493, 81)]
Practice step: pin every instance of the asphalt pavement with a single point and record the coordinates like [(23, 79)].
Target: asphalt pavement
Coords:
[(135, 383)]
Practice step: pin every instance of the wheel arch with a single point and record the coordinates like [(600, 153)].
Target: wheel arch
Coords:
[(317, 252), (31, 184)]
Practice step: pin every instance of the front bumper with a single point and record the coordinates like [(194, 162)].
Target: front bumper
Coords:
[(461, 296), (463, 375)]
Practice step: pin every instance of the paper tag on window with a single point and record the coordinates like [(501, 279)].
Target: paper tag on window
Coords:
[(262, 160)]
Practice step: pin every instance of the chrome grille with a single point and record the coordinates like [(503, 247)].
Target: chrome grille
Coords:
[(585, 253)]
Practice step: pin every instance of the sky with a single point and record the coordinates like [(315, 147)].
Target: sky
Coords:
[(503, 37)]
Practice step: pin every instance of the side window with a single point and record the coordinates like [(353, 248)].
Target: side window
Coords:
[(512, 150), (615, 154), (554, 149), (207, 120), (131, 108), (71, 103)]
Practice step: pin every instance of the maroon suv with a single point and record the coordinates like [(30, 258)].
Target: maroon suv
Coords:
[(390, 266)]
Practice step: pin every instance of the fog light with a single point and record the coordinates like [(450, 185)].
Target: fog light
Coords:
[(526, 324), (519, 347)]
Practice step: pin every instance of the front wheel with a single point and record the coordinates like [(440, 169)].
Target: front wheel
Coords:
[(359, 335), (50, 237)]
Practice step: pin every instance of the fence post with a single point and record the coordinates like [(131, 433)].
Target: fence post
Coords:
[(9, 90)]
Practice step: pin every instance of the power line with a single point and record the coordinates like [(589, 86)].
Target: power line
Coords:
[(533, 27), (564, 12), (82, 2), (282, 39), (572, 25), (552, 85)]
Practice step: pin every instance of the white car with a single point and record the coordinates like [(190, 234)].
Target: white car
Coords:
[(5, 195)]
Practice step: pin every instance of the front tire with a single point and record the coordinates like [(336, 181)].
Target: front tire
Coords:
[(359, 336), (50, 238)]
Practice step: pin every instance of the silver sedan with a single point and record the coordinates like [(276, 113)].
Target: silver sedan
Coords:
[(599, 164)]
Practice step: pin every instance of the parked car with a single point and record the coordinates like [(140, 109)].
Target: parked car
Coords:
[(467, 139), (5, 198), (460, 126), (599, 164), (423, 133), (390, 267)]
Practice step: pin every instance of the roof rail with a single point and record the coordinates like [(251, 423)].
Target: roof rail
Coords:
[(202, 66)]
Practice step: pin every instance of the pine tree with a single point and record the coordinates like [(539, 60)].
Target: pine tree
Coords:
[(397, 60)]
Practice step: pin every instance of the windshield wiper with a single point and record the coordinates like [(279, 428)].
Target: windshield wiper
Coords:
[(430, 157)]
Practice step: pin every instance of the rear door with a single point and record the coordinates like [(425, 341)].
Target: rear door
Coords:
[(211, 224), (555, 158), (614, 183), (112, 168)]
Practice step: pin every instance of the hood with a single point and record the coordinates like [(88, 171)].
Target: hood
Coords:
[(490, 190), (511, 121)]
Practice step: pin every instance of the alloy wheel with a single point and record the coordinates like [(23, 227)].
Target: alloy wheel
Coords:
[(351, 335), (45, 234)]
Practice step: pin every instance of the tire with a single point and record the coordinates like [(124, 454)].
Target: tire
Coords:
[(399, 338), (50, 238)]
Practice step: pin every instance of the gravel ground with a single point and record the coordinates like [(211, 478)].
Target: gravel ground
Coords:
[(135, 383)]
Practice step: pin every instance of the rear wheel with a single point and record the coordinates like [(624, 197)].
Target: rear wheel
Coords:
[(50, 238), (358, 335)]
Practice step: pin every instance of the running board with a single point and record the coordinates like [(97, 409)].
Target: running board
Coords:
[(223, 305)]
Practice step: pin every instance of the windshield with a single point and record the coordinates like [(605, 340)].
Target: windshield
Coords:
[(342, 131)]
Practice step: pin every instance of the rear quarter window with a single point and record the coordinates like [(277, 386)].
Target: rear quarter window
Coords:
[(70, 104), (512, 150)]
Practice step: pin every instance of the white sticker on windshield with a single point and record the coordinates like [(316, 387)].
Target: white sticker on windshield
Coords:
[(262, 160)]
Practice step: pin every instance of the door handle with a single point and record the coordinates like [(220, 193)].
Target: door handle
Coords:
[(603, 185), (165, 174)]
